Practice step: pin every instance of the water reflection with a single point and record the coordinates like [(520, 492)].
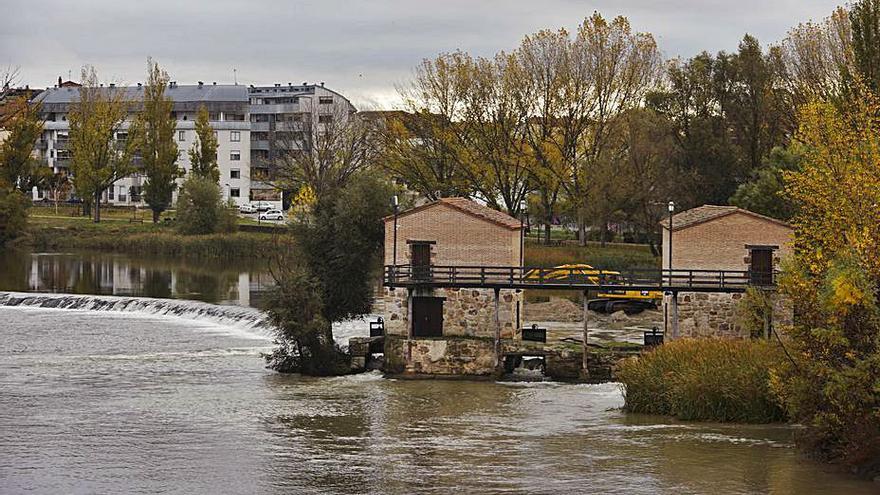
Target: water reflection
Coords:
[(242, 282)]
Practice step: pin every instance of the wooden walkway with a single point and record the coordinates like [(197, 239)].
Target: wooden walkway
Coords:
[(518, 277)]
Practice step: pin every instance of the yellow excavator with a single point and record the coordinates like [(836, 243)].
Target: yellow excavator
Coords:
[(609, 301)]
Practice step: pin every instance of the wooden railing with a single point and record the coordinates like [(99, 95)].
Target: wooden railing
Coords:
[(518, 277)]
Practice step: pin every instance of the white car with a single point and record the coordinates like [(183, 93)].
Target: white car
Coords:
[(272, 215), (263, 205), (247, 208)]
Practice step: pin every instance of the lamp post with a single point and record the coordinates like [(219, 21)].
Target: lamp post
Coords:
[(674, 298), (396, 206), (671, 208)]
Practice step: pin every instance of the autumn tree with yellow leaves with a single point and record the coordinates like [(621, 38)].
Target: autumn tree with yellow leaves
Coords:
[(832, 384)]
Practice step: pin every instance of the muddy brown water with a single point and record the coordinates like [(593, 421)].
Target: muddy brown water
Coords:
[(116, 397)]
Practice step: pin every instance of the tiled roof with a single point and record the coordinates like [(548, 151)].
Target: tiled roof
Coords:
[(705, 213), (484, 212), (471, 208)]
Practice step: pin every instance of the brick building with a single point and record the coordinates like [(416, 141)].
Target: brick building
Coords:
[(449, 330), (721, 238)]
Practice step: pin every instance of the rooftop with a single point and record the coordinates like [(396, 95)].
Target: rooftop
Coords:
[(204, 92), (471, 208), (705, 213)]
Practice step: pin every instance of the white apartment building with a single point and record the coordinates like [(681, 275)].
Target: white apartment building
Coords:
[(248, 122)]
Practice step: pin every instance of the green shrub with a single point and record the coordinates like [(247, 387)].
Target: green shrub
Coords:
[(13, 214), (706, 379), (201, 210)]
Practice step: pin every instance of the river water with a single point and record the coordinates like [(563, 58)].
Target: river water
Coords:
[(117, 396)]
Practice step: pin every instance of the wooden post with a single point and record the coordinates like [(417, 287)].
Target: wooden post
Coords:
[(409, 326), (586, 359), (674, 315), (497, 331)]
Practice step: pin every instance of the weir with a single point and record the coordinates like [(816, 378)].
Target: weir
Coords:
[(238, 316)]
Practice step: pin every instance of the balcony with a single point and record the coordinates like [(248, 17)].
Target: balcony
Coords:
[(260, 144)]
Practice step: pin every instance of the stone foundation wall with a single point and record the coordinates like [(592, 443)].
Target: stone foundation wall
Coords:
[(440, 356), (466, 312), (702, 314)]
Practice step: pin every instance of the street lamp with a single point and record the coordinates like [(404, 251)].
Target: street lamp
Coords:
[(671, 208), (396, 206)]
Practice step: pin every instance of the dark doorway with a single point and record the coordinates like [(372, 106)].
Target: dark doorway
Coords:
[(761, 267), (427, 316), (420, 256)]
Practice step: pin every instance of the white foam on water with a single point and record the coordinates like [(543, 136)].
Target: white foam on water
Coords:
[(235, 321)]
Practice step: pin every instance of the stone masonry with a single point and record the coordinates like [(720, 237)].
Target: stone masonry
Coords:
[(466, 312), (703, 314)]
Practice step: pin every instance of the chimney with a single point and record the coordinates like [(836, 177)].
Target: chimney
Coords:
[(289, 84), (201, 84), (172, 84), (277, 85), (59, 81), (214, 83), (322, 84), (140, 85), (112, 85), (305, 83)]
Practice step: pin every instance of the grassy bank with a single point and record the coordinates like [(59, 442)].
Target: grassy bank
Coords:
[(51, 233), (610, 257), (707, 380)]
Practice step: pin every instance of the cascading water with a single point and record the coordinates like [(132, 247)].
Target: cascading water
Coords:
[(250, 320)]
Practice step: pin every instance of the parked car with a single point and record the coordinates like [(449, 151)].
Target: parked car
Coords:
[(272, 215), (262, 205), (247, 208)]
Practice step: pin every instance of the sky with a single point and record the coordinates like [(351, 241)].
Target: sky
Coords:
[(363, 49)]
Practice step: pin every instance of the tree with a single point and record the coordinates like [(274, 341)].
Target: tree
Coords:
[(831, 386), (322, 154), (572, 90), (99, 154), (157, 146), (18, 167), (203, 155), (763, 193), (330, 278), (816, 60), (865, 18), (13, 213), (201, 209), (57, 184)]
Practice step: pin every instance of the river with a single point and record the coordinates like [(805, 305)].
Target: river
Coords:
[(117, 396)]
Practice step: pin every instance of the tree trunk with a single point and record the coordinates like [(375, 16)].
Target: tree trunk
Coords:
[(156, 216), (97, 206), (547, 233), (582, 230), (603, 236)]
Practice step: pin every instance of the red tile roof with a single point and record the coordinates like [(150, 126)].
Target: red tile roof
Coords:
[(471, 208), (706, 213)]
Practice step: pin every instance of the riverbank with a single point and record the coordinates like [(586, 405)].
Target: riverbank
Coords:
[(125, 234)]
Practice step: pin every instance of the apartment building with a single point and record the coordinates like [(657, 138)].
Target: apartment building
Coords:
[(284, 118), (254, 126)]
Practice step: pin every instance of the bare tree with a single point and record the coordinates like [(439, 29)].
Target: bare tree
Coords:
[(321, 148)]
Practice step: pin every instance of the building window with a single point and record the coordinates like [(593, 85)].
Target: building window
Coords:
[(325, 100), (235, 136), (235, 155), (181, 135), (325, 119), (235, 174), (110, 191), (235, 192)]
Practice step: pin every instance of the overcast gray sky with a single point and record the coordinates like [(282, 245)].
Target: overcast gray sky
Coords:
[(360, 48)]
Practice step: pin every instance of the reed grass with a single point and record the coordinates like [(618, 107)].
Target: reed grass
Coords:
[(147, 239), (704, 379)]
